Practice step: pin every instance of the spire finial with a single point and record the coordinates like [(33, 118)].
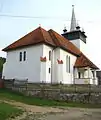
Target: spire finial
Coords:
[(73, 20), (77, 26), (39, 25), (65, 29)]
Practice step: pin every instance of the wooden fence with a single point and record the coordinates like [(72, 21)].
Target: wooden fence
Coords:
[(23, 85), (58, 92), (1, 83), (16, 84)]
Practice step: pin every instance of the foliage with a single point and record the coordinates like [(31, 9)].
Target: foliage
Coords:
[(8, 111), (2, 61)]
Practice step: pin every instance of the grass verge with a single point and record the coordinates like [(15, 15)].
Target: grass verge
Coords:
[(6, 94), (8, 111)]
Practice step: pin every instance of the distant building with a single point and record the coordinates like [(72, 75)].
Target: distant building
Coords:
[(46, 56)]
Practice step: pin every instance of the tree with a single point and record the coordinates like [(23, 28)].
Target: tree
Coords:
[(2, 61)]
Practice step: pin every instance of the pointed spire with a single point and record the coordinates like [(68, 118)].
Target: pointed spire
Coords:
[(73, 20)]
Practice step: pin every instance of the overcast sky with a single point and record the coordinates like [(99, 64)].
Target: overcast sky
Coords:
[(51, 14)]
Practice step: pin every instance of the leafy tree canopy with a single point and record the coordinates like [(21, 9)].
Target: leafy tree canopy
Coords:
[(2, 61)]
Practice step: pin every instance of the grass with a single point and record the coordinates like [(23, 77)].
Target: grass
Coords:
[(6, 94), (8, 111)]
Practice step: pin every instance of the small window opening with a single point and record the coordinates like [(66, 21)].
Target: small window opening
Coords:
[(20, 57), (49, 55), (49, 70)]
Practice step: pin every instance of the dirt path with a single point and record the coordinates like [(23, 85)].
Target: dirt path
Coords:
[(33, 108), (48, 113)]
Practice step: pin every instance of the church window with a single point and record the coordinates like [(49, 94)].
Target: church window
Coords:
[(69, 64), (79, 75), (20, 56), (49, 55), (49, 70), (24, 55)]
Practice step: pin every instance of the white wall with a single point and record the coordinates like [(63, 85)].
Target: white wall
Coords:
[(54, 76), (68, 78), (29, 69), (56, 55), (76, 42), (83, 47), (46, 50), (79, 44), (59, 73), (36, 71)]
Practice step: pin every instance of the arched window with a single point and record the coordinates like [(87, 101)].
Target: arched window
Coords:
[(68, 64), (24, 56), (49, 55), (79, 75), (49, 70), (20, 56)]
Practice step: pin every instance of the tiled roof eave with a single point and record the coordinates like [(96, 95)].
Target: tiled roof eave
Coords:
[(86, 66), (23, 46)]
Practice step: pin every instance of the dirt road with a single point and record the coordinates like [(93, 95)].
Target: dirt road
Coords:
[(48, 113)]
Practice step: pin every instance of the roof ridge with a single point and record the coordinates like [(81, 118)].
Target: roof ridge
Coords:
[(41, 32), (57, 35), (54, 37)]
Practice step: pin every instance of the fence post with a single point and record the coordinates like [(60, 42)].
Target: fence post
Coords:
[(26, 84), (75, 87), (89, 93), (13, 83)]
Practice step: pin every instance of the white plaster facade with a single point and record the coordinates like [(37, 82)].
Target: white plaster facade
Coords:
[(37, 71), (29, 69), (79, 44)]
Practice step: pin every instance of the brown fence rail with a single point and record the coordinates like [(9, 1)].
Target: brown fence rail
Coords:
[(1, 83), (24, 85), (58, 92), (15, 84)]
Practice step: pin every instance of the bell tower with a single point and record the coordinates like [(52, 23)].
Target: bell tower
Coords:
[(75, 35)]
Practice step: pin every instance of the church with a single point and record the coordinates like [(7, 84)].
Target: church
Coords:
[(48, 57)]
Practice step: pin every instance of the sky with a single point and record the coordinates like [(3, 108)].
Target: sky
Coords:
[(51, 14)]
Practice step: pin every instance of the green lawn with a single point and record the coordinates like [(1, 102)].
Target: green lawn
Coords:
[(6, 94), (8, 111)]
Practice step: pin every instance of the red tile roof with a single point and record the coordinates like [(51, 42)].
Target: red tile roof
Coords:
[(64, 43), (83, 61), (51, 38), (40, 35)]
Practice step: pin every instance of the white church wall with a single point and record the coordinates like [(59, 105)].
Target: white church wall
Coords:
[(56, 75), (29, 69), (46, 50), (82, 47), (76, 42), (68, 78), (79, 44)]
